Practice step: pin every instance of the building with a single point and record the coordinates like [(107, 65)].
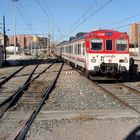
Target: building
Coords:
[(22, 41), (26, 41), (1, 50), (1, 39), (134, 36)]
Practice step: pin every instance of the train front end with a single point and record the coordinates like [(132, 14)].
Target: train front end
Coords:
[(107, 52)]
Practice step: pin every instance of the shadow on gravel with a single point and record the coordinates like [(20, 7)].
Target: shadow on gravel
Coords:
[(16, 63), (134, 135)]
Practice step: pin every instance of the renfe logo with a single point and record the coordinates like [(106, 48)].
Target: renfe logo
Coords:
[(101, 34), (109, 56)]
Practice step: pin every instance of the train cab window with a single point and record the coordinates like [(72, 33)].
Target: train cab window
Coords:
[(121, 45), (109, 45), (96, 44)]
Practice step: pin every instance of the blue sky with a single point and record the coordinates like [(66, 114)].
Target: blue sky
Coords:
[(68, 17)]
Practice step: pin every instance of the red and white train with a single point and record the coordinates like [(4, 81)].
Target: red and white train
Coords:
[(98, 52)]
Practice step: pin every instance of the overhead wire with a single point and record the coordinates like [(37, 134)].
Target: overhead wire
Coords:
[(124, 19), (22, 16), (124, 25), (83, 15), (49, 13), (46, 13), (87, 18), (27, 19)]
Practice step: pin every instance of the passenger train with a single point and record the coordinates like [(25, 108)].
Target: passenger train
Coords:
[(100, 52)]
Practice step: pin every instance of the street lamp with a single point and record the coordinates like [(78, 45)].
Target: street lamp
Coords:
[(15, 26)]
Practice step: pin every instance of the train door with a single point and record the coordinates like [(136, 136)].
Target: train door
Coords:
[(109, 45)]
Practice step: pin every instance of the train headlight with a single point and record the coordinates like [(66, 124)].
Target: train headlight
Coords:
[(123, 60), (110, 61), (93, 60)]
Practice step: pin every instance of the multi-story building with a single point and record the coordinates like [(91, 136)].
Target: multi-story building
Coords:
[(21, 40), (134, 36), (26, 41)]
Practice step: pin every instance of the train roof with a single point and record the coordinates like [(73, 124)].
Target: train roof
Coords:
[(82, 35), (78, 36), (108, 31)]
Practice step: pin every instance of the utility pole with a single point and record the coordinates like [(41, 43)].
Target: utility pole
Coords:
[(53, 41), (15, 44), (31, 47), (49, 37), (4, 38)]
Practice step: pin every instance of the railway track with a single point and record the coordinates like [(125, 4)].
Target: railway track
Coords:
[(45, 96), (20, 132), (16, 81), (22, 71), (131, 89), (31, 94), (8, 77), (13, 99), (124, 94)]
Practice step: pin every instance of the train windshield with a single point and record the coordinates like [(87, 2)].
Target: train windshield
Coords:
[(96, 44), (121, 45)]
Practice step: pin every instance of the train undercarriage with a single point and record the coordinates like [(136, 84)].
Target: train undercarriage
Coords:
[(110, 71)]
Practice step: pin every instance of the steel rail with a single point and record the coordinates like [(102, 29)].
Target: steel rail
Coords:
[(23, 132), (20, 88), (7, 78), (3, 77), (10, 99), (117, 98), (130, 88), (11, 75), (16, 96)]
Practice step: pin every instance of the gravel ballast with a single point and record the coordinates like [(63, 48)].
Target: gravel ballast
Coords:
[(75, 94), (73, 91)]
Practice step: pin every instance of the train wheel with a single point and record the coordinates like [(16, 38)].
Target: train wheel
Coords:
[(134, 72), (124, 77), (87, 73)]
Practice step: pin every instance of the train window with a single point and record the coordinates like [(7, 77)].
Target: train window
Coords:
[(96, 44), (121, 45), (75, 48), (69, 51), (83, 48), (72, 49), (108, 44), (79, 48)]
